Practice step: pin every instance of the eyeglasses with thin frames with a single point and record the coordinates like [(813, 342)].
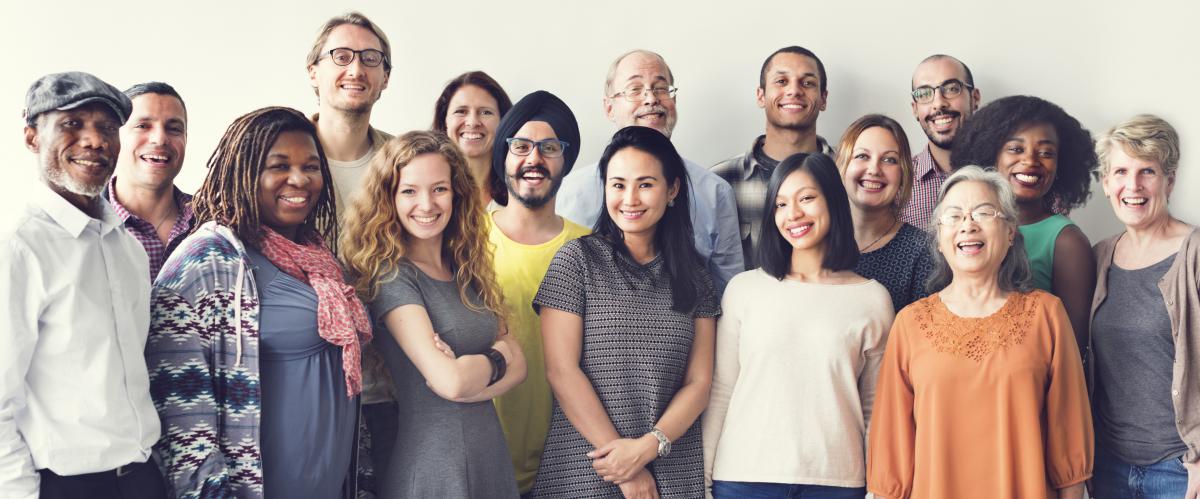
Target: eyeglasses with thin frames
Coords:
[(639, 93), (950, 89), (954, 216)]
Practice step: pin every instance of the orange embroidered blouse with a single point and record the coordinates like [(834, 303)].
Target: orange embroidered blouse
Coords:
[(980, 407)]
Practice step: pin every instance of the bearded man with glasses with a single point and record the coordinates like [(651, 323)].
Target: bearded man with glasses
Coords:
[(943, 97), (640, 91)]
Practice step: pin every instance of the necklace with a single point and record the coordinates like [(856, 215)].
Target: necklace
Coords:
[(881, 236), (171, 215)]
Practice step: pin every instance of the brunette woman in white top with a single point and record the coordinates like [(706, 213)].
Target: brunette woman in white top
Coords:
[(798, 350)]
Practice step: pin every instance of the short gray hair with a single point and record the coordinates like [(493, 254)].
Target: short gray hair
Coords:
[(612, 68), (1015, 273)]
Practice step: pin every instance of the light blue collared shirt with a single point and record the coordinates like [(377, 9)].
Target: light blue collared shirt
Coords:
[(713, 208)]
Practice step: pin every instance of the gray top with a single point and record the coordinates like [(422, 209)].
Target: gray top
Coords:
[(1135, 353), (444, 448), (303, 391)]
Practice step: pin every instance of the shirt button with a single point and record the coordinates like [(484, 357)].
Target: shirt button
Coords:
[(1175, 393)]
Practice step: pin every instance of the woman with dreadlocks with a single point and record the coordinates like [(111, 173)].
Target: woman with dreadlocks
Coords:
[(255, 337)]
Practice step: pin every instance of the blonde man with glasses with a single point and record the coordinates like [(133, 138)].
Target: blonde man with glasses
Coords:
[(640, 91), (348, 68)]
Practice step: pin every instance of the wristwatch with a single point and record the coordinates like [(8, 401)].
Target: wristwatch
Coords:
[(664, 443)]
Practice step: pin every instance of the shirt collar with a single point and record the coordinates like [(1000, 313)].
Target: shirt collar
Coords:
[(751, 164), (70, 218), (183, 203), (924, 165)]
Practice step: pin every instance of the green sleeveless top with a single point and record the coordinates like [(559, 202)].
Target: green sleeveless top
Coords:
[(1039, 245)]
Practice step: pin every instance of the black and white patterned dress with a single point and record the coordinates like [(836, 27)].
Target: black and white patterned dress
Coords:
[(635, 352), (902, 266)]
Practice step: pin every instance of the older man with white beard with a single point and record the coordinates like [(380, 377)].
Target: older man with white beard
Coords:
[(640, 91), (76, 418)]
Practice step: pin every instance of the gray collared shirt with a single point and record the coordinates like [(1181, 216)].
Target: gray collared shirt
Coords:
[(749, 180)]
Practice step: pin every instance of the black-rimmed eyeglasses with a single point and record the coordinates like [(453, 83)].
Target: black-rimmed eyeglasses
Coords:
[(343, 56)]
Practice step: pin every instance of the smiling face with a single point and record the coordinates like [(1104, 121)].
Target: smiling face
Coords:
[(153, 141), (942, 118), (792, 95), (1029, 160), (425, 197), (970, 247), (873, 176), (1138, 189), (77, 149), (801, 212), (636, 192), (353, 88), (641, 71), (290, 183), (533, 180), (471, 120)]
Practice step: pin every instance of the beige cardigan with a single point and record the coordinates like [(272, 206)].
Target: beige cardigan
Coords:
[(1180, 289)]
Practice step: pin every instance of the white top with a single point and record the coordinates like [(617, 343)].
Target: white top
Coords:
[(795, 377), (75, 308), (347, 176)]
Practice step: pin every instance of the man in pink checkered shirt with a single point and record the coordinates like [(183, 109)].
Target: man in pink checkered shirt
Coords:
[(943, 96), (143, 192)]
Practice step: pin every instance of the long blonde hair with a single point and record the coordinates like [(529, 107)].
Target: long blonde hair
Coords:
[(374, 241)]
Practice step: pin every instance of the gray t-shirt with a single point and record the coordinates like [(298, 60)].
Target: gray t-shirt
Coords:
[(1135, 355), (443, 448)]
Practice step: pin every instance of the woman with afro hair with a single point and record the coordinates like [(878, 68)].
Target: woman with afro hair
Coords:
[(1048, 158)]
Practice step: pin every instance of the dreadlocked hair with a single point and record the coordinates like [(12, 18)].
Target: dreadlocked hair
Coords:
[(374, 242), (229, 194)]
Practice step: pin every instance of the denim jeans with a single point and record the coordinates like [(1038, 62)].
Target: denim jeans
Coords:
[(1116, 479), (760, 490)]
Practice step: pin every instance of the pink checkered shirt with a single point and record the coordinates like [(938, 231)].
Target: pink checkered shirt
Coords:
[(927, 179), (144, 231)]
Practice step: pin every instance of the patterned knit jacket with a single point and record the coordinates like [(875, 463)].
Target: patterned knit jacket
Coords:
[(204, 369)]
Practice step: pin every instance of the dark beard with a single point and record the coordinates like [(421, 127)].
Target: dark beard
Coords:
[(532, 203)]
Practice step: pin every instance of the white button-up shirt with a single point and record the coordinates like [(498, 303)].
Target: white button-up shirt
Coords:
[(74, 314)]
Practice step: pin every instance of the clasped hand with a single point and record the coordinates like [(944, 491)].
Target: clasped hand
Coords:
[(620, 460)]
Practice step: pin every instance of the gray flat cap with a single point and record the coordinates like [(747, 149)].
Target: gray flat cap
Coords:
[(63, 91)]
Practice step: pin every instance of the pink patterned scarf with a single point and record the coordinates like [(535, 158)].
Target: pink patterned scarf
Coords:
[(341, 318)]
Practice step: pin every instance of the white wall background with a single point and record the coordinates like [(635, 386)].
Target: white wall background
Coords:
[(1101, 61)]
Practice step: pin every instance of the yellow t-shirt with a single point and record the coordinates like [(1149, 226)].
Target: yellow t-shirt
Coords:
[(525, 410)]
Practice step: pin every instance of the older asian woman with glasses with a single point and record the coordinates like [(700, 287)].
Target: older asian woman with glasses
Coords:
[(981, 392), (1145, 341)]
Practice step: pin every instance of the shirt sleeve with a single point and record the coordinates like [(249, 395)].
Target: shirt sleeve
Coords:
[(180, 361), (725, 376), (563, 286), (398, 290), (892, 439), (727, 260), (1069, 438), (874, 344), (19, 300), (707, 299)]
